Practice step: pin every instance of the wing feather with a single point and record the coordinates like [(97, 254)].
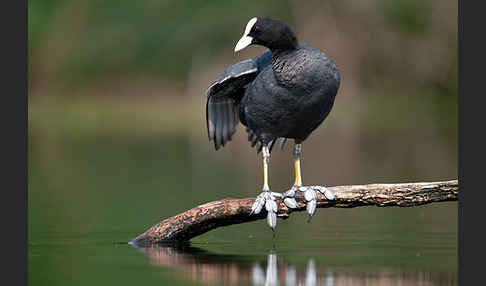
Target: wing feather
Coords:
[(224, 97)]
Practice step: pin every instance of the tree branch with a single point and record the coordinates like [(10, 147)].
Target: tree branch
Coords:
[(203, 218)]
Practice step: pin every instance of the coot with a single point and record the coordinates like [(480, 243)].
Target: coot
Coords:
[(284, 93)]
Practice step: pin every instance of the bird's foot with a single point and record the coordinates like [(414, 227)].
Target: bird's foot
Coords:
[(267, 199), (310, 195), (289, 197)]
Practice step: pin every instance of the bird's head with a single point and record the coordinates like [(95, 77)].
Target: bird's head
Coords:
[(270, 33)]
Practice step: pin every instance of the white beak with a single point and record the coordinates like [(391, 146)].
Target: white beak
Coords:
[(244, 42)]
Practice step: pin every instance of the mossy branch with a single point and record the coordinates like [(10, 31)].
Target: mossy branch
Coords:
[(203, 218)]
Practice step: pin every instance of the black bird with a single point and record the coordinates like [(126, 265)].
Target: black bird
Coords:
[(284, 93)]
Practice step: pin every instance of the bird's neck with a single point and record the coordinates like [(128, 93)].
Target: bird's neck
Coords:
[(283, 65), (278, 53)]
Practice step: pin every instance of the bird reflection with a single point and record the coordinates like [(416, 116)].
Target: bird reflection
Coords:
[(270, 277), (210, 268)]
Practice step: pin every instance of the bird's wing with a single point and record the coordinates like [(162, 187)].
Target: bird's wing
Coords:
[(225, 94), (223, 97)]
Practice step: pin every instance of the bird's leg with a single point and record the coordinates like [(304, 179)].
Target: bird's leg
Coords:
[(289, 196), (297, 158), (266, 197), (266, 160), (310, 194)]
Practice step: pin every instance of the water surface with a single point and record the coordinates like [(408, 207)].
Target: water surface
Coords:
[(87, 199)]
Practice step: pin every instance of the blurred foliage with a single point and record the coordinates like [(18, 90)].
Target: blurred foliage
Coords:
[(119, 37), (83, 40), (407, 16)]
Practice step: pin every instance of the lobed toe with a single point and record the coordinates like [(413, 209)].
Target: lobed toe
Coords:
[(272, 219), (291, 203), (311, 207)]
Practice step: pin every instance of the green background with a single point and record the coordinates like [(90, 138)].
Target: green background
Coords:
[(117, 141)]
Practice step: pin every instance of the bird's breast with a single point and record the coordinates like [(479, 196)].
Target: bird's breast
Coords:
[(303, 73), (290, 97)]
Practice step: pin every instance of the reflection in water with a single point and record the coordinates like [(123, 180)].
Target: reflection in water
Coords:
[(202, 266), (270, 277)]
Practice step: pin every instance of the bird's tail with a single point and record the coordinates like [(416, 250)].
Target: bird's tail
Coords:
[(255, 142)]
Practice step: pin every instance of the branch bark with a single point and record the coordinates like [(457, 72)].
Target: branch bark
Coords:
[(203, 218)]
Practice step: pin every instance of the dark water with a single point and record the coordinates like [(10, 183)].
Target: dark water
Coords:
[(88, 198)]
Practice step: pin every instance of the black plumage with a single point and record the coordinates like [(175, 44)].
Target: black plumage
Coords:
[(286, 92)]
